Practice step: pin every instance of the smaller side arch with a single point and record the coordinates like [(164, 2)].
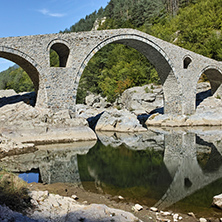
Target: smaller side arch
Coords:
[(187, 61), (61, 47)]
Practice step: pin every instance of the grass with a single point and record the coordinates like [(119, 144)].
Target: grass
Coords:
[(218, 96), (13, 192)]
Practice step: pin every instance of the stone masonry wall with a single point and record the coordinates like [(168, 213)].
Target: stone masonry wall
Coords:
[(57, 87)]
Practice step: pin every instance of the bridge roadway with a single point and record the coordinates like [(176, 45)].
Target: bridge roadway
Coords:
[(179, 69)]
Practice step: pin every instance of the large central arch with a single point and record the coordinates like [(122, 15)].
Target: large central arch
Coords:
[(27, 64), (157, 56)]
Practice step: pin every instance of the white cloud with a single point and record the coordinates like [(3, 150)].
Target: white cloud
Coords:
[(47, 12)]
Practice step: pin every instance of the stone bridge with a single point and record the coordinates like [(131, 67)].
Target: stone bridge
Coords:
[(179, 69)]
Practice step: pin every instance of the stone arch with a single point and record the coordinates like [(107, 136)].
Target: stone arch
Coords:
[(62, 48), (29, 65), (186, 62), (214, 75), (157, 56)]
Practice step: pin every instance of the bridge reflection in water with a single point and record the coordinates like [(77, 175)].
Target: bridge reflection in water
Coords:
[(163, 166)]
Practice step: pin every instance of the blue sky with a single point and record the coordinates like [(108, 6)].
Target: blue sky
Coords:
[(34, 17)]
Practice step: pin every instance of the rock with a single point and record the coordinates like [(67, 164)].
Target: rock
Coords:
[(57, 208), (23, 123), (165, 213), (74, 197), (191, 214), (142, 99), (121, 198), (175, 217), (97, 101), (217, 201), (138, 207), (156, 119), (119, 121), (203, 220), (98, 23), (154, 209), (6, 214)]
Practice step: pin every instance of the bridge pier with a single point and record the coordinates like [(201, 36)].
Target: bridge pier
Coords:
[(59, 88)]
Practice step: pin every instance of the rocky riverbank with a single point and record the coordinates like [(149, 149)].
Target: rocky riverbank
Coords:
[(76, 204), (22, 125)]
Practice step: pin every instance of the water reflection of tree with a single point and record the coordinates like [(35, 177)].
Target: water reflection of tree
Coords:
[(122, 168)]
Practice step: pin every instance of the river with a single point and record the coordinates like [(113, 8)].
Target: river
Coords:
[(175, 169)]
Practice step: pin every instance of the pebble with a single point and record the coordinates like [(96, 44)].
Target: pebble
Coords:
[(203, 220), (137, 207), (175, 217), (165, 213), (154, 209), (191, 214), (74, 197), (121, 198)]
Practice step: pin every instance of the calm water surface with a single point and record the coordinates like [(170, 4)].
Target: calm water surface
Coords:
[(175, 169)]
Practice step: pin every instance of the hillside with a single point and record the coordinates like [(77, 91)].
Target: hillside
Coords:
[(192, 24)]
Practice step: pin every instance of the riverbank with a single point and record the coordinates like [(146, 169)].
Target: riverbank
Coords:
[(117, 202), (66, 202)]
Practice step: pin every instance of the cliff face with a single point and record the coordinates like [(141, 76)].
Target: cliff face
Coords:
[(98, 23)]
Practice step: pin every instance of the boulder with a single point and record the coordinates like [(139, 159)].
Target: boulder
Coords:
[(59, 208), (217, 201), (142, 99), (208, 113), (97, 101), (119, 121), (24, 123), (51, 207)]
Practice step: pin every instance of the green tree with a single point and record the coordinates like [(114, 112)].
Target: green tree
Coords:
[(19, 81)]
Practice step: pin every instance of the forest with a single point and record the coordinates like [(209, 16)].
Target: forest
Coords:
[(193, 24)]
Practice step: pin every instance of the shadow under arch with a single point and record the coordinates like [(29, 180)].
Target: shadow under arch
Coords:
[(157, 57), (214, 75), (25, 62)]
